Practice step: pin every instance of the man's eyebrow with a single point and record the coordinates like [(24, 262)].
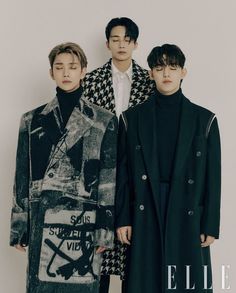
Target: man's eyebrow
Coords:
[(60, 63), (115, 36)]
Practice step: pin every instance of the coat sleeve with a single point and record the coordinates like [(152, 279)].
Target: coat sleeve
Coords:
[(104, 233), (123, 193), (211, 212), (20, 208)]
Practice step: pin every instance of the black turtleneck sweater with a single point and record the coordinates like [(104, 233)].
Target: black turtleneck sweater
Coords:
[(168, 117), (67, 102)]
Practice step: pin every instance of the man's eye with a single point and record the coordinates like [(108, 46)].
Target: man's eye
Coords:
[(73, 67), (127, 40), (173, 67), (58, 68), (115, 41), (159, 68)]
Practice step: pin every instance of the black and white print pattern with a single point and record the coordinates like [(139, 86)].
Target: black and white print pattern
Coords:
[(63, 204)]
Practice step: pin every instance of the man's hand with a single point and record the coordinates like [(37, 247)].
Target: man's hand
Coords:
[(206, 240), (124, 234), (100, 249), (20, 247)]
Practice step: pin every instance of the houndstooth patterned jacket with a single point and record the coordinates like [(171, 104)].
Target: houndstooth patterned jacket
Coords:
[(98, 89)]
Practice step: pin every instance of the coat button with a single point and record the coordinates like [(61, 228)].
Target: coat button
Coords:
[(141, 207), (190, 213), (144, 177), (138, 147), (50, 175), (108, 213), (190, 181), (198, 154)]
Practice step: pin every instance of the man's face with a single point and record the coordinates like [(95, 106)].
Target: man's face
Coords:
[(121, 46), (67, 72), (167, 78)]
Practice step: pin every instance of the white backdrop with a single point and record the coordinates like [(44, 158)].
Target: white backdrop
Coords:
[(204, 29)]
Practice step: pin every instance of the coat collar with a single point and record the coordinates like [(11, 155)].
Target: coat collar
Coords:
[(149, 142), (138, 77), (79, 122), (188, 120), (148, 139)]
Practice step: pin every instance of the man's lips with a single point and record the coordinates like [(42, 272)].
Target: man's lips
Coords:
[(167, 81), (66, 81), (121, 52)]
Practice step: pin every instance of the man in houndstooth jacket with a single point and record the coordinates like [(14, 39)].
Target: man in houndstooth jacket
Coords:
[(117, 85)]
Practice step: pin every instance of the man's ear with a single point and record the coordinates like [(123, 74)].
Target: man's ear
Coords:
[(184, 72), (107, 44), (83, 72), (150, 74), (51, 74)]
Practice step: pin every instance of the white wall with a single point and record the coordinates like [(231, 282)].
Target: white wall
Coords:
[(204, 29)]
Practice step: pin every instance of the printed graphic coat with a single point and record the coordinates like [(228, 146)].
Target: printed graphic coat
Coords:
[(98, 89), (160, 260), (64, 195)]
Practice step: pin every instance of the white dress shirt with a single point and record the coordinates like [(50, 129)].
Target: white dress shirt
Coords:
[(122, 87)]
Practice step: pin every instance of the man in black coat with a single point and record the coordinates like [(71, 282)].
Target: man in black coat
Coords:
[(168, 188)]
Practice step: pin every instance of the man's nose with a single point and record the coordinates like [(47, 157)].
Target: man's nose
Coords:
[(121, 43), (66, 72), (166, 71)]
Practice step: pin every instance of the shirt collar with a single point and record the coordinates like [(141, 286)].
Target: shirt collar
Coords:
[(128, 72)]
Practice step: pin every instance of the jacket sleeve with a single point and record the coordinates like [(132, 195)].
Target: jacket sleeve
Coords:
[(20, 208), (210, 222), (123, 192), (104, 233)]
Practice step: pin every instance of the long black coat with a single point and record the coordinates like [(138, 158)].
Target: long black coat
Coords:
[(194, 199), (64, 190)]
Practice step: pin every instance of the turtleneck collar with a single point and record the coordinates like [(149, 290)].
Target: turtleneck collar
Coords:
[(169, 100), (69, 98), (67, 102)]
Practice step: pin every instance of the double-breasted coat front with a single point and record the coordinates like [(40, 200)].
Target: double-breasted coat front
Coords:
[(173, 259), (64, 195)]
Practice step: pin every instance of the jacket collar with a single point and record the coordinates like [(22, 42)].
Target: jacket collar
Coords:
[(147, 132), (79, 122), (138, 77), (188, 121)]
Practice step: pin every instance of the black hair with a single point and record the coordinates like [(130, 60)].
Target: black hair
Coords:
[(166, 54), (132, 30)]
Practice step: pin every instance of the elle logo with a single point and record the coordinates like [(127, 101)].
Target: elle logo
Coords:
[(190, 284)]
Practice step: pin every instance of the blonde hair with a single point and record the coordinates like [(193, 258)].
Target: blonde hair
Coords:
[(71, 48)]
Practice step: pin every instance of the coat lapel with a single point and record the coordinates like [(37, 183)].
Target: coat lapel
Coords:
[(79, 122), (148, 139), (50, 120), (186, 132), (107, 90), (137, 79)]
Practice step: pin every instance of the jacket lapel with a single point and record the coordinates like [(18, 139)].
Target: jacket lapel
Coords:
[(50, 120), (148, 139), (107, 91), (186, 132), (149, 146), (137, 79), (79, 122)]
